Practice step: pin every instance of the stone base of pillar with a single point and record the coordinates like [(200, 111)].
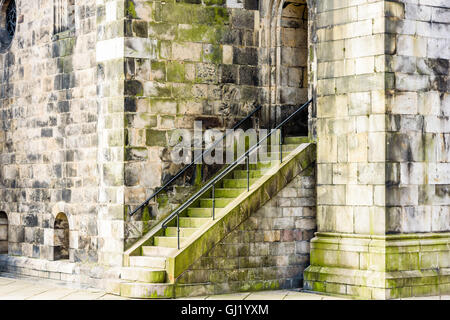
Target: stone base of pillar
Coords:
[(379, 267)]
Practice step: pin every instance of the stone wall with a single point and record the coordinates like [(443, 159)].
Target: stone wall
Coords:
[(267, 251), (350, 115), (417, 121), (382, 126), (48, 131), (185, 61)]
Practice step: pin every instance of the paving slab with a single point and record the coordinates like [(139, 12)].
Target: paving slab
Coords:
[(333, 298), (13, 286), (231, 296), (27, 292), (194, 298), (267, 295), (423, 298), (296, 295), (84, 295), (53, 294), (112, 297), (4, 281)]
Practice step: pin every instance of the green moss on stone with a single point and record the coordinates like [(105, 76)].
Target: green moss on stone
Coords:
[(175, 71), (213, 55), (155, 138), (131, 10)]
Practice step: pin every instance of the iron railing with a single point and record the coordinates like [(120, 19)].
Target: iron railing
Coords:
[(168, 183), (211, 184)]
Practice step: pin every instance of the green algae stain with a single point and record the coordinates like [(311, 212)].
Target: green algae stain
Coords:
[(131, 9)]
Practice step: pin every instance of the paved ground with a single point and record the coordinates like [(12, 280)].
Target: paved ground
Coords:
[(40, 289)]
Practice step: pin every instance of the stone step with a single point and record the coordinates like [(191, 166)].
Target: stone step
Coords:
[(230, 193), (242, 174), (275, 155), (168, 242), (237, 183), (289, 147), (202, 212), (146, 290), (148, 261), (276, 148), (157, 252), (261, 165), (184, 232), (143, 274), (187, 222), (218, 202), (296, 140)]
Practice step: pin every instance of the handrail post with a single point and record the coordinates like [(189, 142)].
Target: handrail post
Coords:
[(213, 200), (248, 173), (178, 231), (281, 145)]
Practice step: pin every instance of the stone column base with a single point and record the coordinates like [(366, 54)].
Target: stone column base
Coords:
[(379, 267)]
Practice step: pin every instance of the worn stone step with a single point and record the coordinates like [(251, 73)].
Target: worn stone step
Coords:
[(184, 232), (143, 274), (275, 156), (242, 174), (157, 252), (202, 212), (148, 261), (146, 290), (289, 147), (228, 192), (276, 148), (261, 165), (237, 183), (296, 140), (188, 222), (218, 202), (168, 242)]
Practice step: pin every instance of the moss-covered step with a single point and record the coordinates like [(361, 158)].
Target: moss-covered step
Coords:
[(237, 183), (147, 261), (143, 274), (276, 148), (184, 232), (218, 202), (188, 222), (168, 242), (296, 140), (242, 174), (201, 212), (145, 290), (261, 165), (228, 192), (152, 251)]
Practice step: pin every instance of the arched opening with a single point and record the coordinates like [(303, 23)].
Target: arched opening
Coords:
[(292, 69), (61, 237), (8, 21), (287, 34), (3, 233)]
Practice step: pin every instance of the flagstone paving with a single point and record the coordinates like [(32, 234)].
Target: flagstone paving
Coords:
[(40, 289)]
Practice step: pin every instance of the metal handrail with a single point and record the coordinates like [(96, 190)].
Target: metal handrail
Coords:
[(211, 184), (146, 202)]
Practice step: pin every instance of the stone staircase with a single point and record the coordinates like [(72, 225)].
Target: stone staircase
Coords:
[(154, 262)]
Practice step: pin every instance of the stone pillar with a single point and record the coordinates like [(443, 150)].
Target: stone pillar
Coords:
[(111, 133), (383, 152)]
